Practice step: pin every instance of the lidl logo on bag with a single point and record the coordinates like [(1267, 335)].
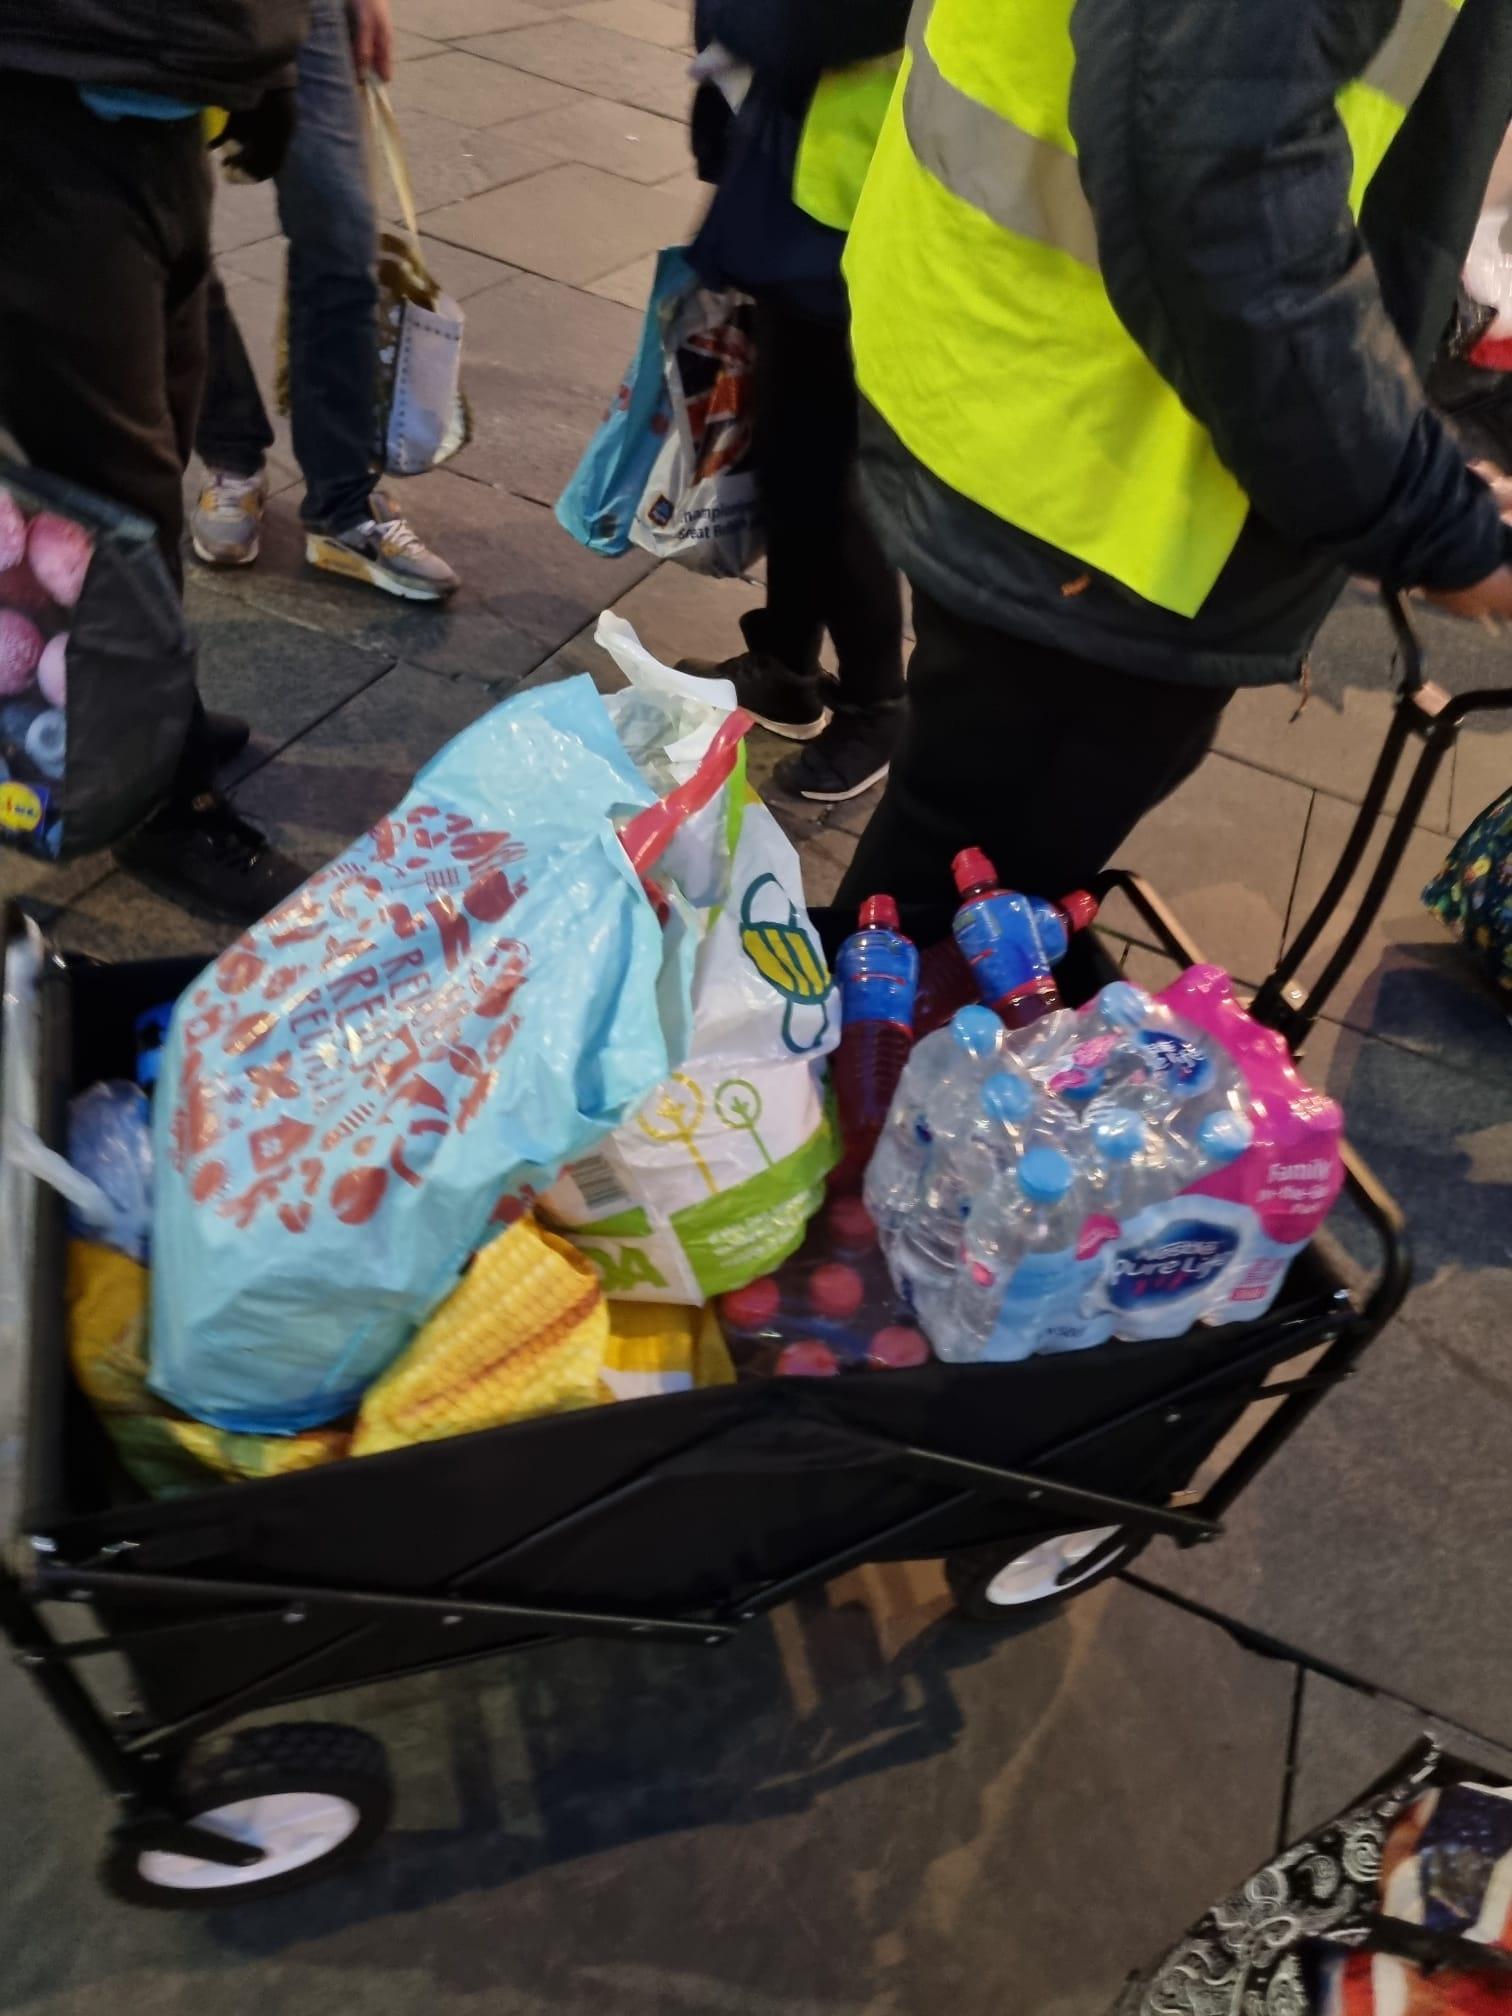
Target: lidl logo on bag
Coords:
[(786, 957), (21, 807)]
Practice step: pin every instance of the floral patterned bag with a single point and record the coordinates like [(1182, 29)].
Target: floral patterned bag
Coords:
[(1473, 892), (1402, 1905)]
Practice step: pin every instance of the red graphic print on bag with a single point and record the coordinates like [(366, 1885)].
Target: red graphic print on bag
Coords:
[(332, 1052)]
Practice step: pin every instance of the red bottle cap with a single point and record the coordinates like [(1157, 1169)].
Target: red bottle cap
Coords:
[(896, 1348), (850, 1226), (879, 910), (753, 1307), (972, 870), (836, 1291), (808, 1359), (1079, 908)]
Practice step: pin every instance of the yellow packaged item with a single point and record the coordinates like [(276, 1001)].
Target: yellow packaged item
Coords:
[(524, 1332), (662, 1347), (164, 1452)]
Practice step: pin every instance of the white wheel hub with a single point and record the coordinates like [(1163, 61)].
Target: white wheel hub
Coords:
[(1049, 1569), (291, 1828)]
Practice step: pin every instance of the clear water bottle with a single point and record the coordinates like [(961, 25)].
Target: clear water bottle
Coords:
[(944, 1071), (1019, 1266), (1132, 1168), (964, 1163)]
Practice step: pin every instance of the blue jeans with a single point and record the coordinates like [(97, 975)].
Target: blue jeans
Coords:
[(325, 205)]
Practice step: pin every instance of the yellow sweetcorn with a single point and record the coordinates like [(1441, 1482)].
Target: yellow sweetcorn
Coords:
[(524, 1332)]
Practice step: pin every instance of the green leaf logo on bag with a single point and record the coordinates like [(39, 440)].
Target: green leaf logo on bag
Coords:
[(785, 956)]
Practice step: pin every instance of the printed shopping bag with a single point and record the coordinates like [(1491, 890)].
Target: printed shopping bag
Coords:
[(599, 504), (96, 667), (421, 416), (713, 1180), (672, 467), (701, 503), (472, 994), (1402, 1906), (1472, 892)]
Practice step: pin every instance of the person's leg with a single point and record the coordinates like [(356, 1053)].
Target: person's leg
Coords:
[(89, 238), (800, 462), (325, 205), (233, 434), (1043, 760)]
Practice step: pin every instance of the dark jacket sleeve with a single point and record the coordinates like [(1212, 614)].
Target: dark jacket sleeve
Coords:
[(794, 39), (1218, 171)]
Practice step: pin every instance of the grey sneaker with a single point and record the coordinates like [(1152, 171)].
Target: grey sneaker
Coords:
[(387, 553), (226, 523)]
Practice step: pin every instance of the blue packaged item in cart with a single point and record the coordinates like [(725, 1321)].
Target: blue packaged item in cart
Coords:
[(474, 992), (110, 1142)]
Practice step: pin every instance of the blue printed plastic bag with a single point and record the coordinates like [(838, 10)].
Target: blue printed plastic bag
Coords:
[(472, 994), (598, 506)]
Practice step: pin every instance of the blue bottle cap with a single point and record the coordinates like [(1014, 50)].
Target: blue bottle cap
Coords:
[(1124, 1005), (1007, 1097), (1045, 1175), (1223, 1137), (1119, 1135), (977, 1030)]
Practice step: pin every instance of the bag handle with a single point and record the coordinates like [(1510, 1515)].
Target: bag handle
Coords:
[(391, 147), (648, 835)]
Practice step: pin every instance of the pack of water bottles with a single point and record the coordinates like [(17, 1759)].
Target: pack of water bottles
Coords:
[(1122, 1171)]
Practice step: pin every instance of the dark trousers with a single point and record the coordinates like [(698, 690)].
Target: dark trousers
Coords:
[(104, 256), (1044, 760), (325, 206), (825, 570)]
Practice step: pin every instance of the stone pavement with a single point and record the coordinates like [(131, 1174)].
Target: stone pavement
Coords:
[(862, 1806)]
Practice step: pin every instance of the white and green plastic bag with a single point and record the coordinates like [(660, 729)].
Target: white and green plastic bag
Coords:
[(714, 1180)]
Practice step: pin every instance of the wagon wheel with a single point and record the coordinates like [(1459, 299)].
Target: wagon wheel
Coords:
[(310, 1795), (1015, 1587)]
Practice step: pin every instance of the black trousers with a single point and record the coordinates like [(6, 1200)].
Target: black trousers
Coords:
[(1046, 761), (104, 258), (825, 570)]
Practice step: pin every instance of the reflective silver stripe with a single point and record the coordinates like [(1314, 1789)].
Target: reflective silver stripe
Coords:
[(1028, 186), (1410, 51)]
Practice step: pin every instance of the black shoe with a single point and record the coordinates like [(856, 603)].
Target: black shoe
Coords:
[(790, 703), (226, 735), (850, 756), (200, 855)]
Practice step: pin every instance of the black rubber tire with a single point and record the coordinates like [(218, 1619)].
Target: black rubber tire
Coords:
[(279, 1757), (971, 1572)]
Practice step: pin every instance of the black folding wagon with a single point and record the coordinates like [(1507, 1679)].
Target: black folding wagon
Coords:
[(679, 1518)]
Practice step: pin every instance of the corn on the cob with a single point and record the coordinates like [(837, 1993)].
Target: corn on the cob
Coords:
[(523, 1333)]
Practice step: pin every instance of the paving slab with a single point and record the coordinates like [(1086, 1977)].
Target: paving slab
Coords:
[(1346, 1740), (526, 587), (449, 20), (243, 213), (595, 59), (468, 91), (1374, 1539), (281, 677), (600, 133), (629, 284), (407, 46), (856, 1810), (1410, 980), (460, 273), (570, 223), (450, 160), (329, 787), (121, 918), (1482, 766), (543, 363), (1333, 741), (647, 20), (1223, 853)]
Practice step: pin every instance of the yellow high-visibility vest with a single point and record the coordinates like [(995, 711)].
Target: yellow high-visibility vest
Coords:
[(839, 137), (983, 332)]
